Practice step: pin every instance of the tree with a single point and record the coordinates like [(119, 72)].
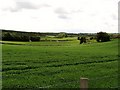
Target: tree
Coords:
[(78, 38), (102, 37), (7, 36), (91, 38), (82, 40), (35, 38)]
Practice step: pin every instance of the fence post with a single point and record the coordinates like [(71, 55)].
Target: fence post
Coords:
[(83, 83)]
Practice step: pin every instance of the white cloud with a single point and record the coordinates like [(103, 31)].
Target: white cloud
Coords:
[(59, 15)]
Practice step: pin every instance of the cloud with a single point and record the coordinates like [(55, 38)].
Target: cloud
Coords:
[(57, 15), (76, 11), (63, 16), (25, 5), (66, 13), (114, 17), (61, 11), (106, 23), (19, 5)]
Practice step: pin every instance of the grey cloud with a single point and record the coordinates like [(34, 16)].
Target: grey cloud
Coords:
[(114, 17), (26, 5), (63, 17), (23, 5), (76, 11), (61, 11), (106, 23), (45, 5), (63, 14), (93, 14)]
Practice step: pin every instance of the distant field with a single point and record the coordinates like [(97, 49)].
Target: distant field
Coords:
[(59, 64)]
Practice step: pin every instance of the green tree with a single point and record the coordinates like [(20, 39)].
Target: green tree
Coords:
[(82, 40), (7, 36), (102, 37)]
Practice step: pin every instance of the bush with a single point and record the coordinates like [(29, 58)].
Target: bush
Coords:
[(102, 37)]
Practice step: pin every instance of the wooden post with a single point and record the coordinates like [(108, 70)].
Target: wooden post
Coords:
[(83, 83)]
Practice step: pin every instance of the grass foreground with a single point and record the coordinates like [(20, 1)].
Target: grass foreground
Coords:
[(59, 64)]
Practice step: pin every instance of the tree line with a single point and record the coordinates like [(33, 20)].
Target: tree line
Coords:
[(19, 36), (10, 35), (100, 37)]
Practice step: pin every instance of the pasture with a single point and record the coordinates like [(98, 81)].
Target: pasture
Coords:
[(59, 64)]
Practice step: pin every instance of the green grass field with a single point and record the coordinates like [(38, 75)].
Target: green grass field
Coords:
[(59, 64)]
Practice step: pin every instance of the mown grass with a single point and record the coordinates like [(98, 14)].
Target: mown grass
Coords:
[(59, 64)]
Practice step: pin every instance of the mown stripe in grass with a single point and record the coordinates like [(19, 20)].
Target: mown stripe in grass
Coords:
[(18, 68), (10, 63), (89, 62)]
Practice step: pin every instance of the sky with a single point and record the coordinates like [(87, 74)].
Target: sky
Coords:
[(73, 16)]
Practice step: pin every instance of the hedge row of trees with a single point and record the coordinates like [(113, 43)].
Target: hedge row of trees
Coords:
[(35, 36), (19, 37)]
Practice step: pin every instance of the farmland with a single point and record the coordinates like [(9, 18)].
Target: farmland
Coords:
[(59, 64)]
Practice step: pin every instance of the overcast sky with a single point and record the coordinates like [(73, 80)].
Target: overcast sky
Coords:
[(76, 16)]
